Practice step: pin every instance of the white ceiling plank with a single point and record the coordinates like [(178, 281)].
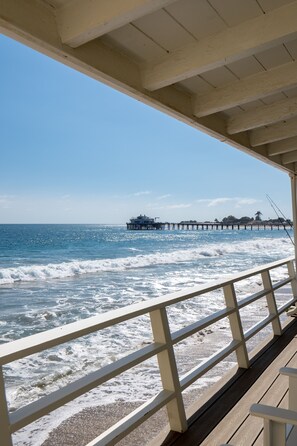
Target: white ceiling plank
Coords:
[(196, 85), (33, 24), (245, 67), (222, 48), (162, 28), (218, 77), (198, 17), (292, 48), (234, 12), (273, 98), (273, 57), (290, 157), (274, 132), (286, 145), (292, 92), (265, 115), (250, 105), (130, 41), (268, 5), (85, 20), (246, 90)]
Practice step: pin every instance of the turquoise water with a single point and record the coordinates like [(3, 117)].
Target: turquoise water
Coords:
[(51, 275), (54, 274)]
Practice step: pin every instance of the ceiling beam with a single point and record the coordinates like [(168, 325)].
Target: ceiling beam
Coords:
[(290, 157), (286, 145), (268, 114), (34, 24), (275, 132), (245, 39), (82, 21), (246, 90)]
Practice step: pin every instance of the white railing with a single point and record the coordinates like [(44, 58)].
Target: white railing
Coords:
[(162, 345)]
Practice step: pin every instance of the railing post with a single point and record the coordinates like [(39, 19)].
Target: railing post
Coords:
[(294, 209), (292, 275), (274, 433), (271, 303), (4, 417), (168, 370), (236, 326)]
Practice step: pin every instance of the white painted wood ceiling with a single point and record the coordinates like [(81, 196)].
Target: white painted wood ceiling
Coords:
[(226, 67)]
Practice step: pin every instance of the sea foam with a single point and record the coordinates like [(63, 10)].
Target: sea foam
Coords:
[(30, 273)]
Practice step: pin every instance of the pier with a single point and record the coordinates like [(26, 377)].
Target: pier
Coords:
[(205, 226), (209, 226)]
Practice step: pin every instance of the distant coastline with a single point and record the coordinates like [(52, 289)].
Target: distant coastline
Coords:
[(143, 222)]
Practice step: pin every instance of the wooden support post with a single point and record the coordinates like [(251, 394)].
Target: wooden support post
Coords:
[(292, 393), (292, 274), (274, 433), (236, 326), (292, 375), (4, 417), (294, 209), (271, 303), (168, 370)]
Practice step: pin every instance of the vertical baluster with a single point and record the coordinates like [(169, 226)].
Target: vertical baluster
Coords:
[(4, 418), (236, 326), (168, 370), (292, 275), (274, 433), (271, 303)]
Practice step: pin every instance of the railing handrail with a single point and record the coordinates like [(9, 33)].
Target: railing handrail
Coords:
[(161, 345), (29, 345)]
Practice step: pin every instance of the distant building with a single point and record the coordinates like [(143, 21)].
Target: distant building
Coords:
[(143, 222)]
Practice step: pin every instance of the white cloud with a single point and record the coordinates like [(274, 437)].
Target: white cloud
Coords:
[(5, 200), (178, 206), (204, 200), (244, 201), (155, 207), (238, 201), (138, 194), (162, 197), (218, 201)]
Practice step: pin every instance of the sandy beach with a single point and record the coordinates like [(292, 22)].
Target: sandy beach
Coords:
[(86, 425), (83, 427)]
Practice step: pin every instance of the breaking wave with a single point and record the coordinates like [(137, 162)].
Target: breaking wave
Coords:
[(30, 273)]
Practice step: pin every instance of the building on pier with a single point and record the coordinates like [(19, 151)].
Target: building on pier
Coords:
[(142, 222)]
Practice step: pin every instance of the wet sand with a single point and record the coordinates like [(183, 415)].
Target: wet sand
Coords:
[(86, 425)]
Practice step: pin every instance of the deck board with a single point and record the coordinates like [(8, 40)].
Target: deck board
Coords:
[(226, 419)]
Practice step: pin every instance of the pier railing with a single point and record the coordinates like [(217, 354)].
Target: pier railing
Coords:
[(162, 345), (210, 226)]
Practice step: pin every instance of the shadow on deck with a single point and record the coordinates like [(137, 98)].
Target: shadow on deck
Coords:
[(225, 418)]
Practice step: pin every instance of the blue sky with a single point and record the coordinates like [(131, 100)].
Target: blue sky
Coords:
[(76, 151)]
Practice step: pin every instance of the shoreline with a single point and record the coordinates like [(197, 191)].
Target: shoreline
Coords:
[(86, 425)]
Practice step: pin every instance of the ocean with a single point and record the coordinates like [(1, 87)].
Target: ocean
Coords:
[(51, 275)]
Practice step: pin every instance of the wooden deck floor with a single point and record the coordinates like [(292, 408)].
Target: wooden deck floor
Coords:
[(225, 417)]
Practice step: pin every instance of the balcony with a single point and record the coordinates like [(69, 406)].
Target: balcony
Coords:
[(277, 297)]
